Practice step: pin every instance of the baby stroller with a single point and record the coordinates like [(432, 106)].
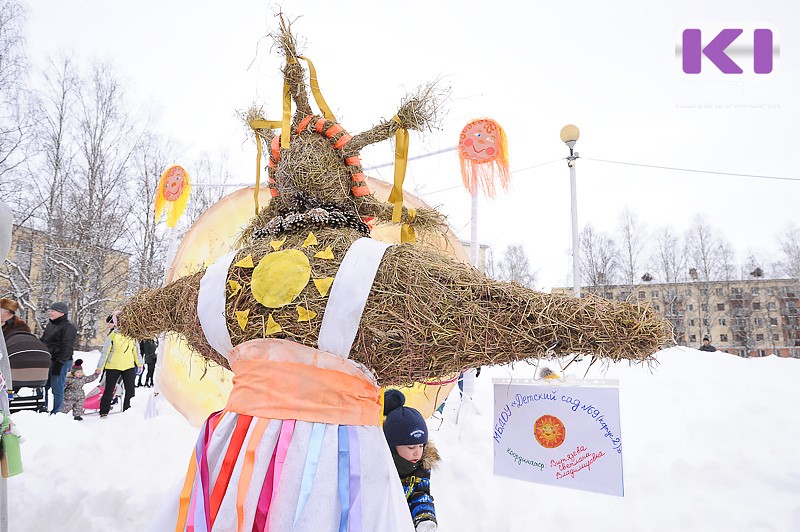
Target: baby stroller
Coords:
[(92, 401), (30, 365)]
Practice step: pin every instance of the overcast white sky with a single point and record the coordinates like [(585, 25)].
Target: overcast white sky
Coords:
[(610, 68)]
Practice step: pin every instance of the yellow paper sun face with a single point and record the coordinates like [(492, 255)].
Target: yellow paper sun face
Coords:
[(280, 277)]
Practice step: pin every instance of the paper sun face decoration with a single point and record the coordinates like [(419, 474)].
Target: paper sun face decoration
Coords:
[(483, 153), (549, 431), (172, 194)]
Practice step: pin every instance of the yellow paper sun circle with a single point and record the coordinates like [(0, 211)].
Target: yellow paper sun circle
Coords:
[(280, 277)]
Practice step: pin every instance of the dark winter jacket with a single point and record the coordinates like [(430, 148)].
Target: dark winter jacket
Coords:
[(148, 349), (709, 348), (416, 480), (59, 337), (14, 324)]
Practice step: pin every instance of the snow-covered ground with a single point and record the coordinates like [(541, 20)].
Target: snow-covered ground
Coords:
[(710, 445)]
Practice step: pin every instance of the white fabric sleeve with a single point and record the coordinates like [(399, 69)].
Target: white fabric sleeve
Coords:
[(348, 296), (211, 305)]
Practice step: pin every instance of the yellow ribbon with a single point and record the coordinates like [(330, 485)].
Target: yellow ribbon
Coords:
[(400, 161), (286, 120), (407, 233), (321, 103), (260, 124)]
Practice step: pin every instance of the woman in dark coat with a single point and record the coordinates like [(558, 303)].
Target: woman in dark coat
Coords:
[(147, 348)]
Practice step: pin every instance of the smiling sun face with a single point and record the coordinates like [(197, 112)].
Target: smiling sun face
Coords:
[(480, 141), (549, 431)]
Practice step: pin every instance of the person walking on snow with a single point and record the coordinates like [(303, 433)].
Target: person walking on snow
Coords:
[(59, 336), (119, 358), (74, 395), (147, 348), (414, 456)]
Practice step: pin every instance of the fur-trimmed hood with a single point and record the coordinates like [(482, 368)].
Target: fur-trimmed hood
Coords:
[(15, 324), (430, 456)]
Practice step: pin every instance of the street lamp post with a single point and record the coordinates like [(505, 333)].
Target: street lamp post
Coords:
[(569, 136)]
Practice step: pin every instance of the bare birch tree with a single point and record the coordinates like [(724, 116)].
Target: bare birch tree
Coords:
[(15, 121), (93, 201), (599, 258), (790, 247), (669, 257), (153, 155), (516, 267), (632, 239)]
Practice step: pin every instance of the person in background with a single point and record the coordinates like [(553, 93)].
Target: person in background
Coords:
[(707, 345), (414, 456), (74, 395), (59, 336), (147, 348), (119, 358), (8, 317)]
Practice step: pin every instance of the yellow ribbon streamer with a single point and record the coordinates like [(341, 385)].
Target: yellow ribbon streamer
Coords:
[(260, 124), (400, 162), (321, 103), (286, 119), (286, 122), (407, 233)]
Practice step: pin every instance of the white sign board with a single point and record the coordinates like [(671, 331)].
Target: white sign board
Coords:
[(558, 434)]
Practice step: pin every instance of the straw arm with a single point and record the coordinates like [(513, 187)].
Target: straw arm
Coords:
[(429, 316)]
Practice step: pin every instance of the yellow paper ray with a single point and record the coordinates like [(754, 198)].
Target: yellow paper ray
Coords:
[(323, 285), (276, 244), (272, 326), (327, 254), (235, 287), (280, 277), (246, 262), (303, 314), (241, 318), (311, 240)]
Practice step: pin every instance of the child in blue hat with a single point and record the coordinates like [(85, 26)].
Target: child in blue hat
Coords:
[(414, 456)]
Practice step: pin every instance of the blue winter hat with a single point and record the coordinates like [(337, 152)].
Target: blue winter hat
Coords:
[(404, 425)]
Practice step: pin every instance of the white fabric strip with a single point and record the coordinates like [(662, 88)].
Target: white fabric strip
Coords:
[(211, 305), (348, 296)]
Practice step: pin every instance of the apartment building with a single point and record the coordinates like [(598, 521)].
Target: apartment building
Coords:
[(25, 278), (748, 318)]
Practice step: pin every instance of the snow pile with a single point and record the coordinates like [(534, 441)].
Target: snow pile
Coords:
[(709, 445)]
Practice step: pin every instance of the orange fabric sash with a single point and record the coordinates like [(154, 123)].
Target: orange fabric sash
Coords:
[(280, 379)]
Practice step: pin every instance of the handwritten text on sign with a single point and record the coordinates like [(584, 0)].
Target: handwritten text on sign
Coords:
[(560, 435)]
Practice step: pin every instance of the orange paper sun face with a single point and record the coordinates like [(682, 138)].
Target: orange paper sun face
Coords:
[(172, 193), (174, 183), (549, 431), (480, 141)]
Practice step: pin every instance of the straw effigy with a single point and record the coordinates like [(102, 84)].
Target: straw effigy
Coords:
[(427, 315)]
